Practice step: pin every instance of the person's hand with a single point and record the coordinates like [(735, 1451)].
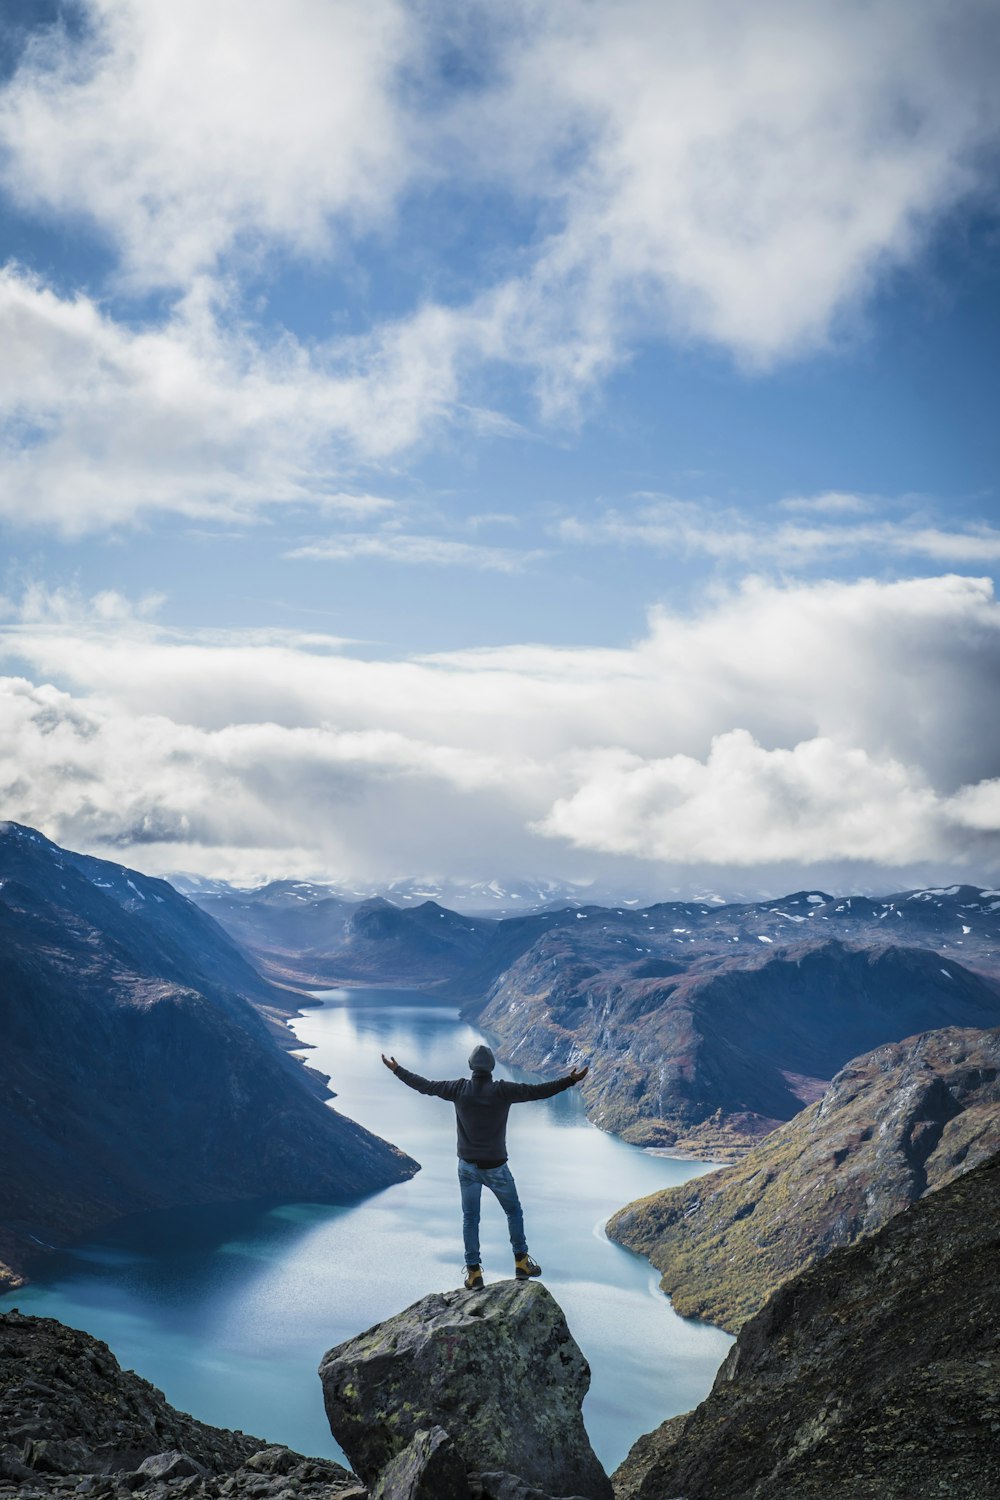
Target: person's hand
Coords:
[(576, 1075), (390, 1063)]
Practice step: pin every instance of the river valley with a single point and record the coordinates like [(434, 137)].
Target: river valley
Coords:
[(229, 1310)]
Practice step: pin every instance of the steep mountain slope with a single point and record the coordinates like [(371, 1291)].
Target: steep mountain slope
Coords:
[(874, 1375), (896, 1124), (709, 1054), (129, 1078), (290, 927)]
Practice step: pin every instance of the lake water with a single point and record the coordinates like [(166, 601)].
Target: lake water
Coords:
[(229, 1311)]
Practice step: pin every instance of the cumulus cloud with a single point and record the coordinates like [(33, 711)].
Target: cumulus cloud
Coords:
[(737, 174), (183, 129), (746, 805), (101, 423), (741, 175), (781, 726)]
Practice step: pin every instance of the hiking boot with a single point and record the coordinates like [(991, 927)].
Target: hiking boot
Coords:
[(524, 1267), (473, 1278)]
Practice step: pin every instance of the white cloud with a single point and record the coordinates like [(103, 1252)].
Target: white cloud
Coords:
[(100, 423), (401, 547), (744, 805), (741, 175), (831, 503), (737, 174), (800, 726), (726, 533), (184, 129)]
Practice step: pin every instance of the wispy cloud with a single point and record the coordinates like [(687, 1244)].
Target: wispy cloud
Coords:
[(830, 503), (726, 533), (403, 547)]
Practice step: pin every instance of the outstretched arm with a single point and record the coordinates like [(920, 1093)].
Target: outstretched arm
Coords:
[(445, 1088), (520, 1093)]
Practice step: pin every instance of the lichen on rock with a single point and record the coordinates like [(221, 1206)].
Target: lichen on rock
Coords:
[(498, 1370)]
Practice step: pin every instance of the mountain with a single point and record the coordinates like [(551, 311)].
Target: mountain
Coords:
[(135, 1072), (499, 897), (287, 919), (706, 1054), (290, 927), (873, 1375), (894, 1125), (708, 1024), (300, 934)]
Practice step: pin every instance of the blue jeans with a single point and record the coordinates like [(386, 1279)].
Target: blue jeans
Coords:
[(472, 1180)]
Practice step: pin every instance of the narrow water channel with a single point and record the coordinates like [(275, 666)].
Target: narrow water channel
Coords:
[(229, 1310)]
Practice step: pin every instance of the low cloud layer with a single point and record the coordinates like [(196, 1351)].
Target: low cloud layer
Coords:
[(781, 729)]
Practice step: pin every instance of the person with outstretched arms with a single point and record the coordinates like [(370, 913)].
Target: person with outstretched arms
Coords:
[(482, 1104)]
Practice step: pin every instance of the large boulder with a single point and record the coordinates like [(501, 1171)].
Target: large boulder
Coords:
[(498, 1370)]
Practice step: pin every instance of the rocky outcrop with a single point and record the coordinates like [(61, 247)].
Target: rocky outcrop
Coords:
[(496, 1371), (873, 1375), (716, 1055), (73, 1422), (895, 1124), (131, 1076)]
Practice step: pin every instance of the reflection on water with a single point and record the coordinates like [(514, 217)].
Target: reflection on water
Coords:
[(229, 1310)]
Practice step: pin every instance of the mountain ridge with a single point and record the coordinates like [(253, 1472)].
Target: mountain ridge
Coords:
[(872, 1374), (129, 1079), (894, 1125)]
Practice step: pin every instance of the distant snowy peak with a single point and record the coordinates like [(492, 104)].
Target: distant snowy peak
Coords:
[(496, 898)]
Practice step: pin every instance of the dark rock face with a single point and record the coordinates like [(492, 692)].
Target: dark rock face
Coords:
[(72, 1421), (895, 1124), (497, 1370), (873, 1375), (430, 1467), (713, 1059), (131, 1077)]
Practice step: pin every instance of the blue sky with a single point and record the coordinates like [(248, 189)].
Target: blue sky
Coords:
[(472, 439)]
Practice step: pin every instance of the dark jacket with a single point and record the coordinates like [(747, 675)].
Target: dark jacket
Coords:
[(481, 1108)]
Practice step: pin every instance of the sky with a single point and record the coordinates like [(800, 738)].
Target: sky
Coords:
[(471, 440)]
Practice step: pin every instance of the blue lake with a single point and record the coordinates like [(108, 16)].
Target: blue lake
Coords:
[(229, 1310)]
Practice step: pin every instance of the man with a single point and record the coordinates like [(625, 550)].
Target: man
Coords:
[(481, 1108)]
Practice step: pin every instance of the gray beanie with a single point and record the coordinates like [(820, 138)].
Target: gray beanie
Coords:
[(481, 1060)]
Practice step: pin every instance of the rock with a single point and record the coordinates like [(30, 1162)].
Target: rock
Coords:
[(273, 1461), (873, 1375), (52, 1456), (11, 1466), (172, 1465), (117, 1418), (429, 1468), (498, 1369), (499, 1486), (894, 1124)]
